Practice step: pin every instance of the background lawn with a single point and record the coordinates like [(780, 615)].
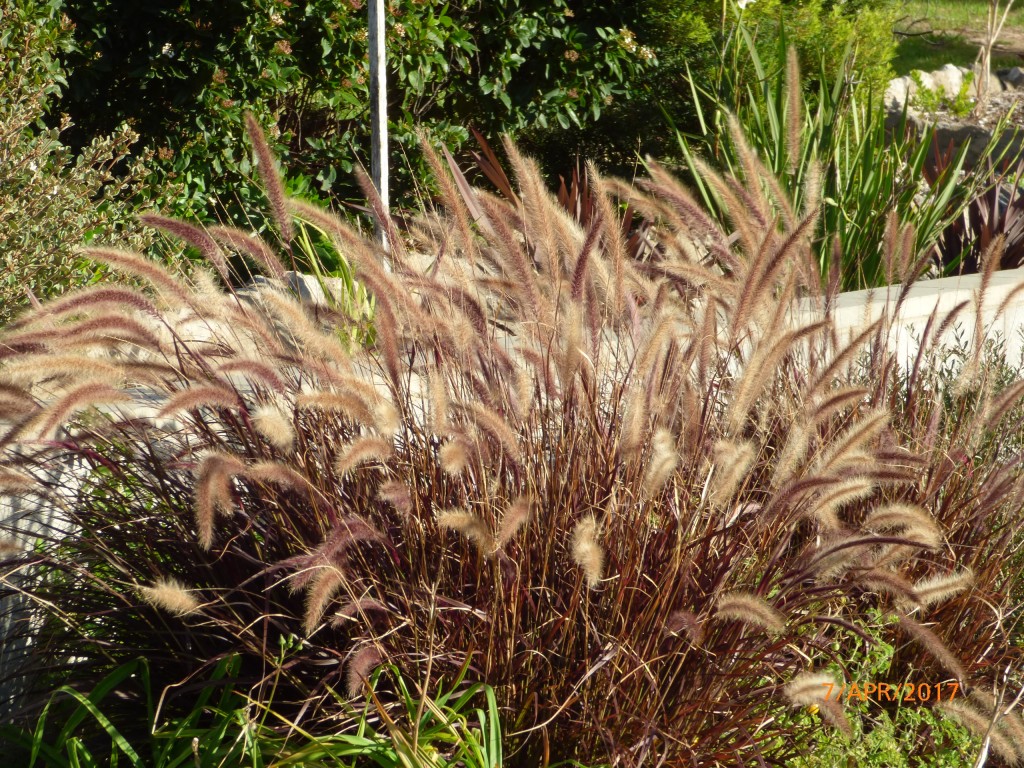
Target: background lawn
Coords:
[(938, 32)]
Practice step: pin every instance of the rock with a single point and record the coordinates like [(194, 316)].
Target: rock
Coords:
[(949, 80), (897, 93), (1013, 77), (918, 80), (995, 84)]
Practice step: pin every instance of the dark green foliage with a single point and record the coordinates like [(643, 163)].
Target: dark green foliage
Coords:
[(50, 201), (181, 75)]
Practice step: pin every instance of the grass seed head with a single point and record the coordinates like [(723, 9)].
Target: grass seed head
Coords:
[(169, 595), (587, 552)]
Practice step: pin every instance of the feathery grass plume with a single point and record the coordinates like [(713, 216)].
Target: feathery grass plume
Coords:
[(515, 517), (581, 271), (525, 278), (303, 332), (686, 623), (837, 399), (88, 395), (794, 110), (454, 203), (323, 586), (748, 608), (276, 426), (364, 608), (169, 595), (757, 374), (886, 581), (40, 368), (386, 323), (108, 329), (660, 330), (770, 282), (571, 346), (271, 178), (794, 451), (971, 374), (634, 420), (470, 526), (455, 456), (980, 725), (587, 553), (832, 710), (257, 370), (746, 204), (281, 474), (809, 688), (613, 243), (9, 547), (941, 587), (934, 645), (386, 418), (913, 522), (397, 494), (438, 402), (362, 450), (836, 553), (663, 462), (864, 432), (695, 219), (1003, 403), (15, 396), (349, 404), (160, 278), (200, 396), (360, 667), (12, 482), (1006, 720), (891, 555), (192, 235), (536, 204), (84, 301), (825, 506), (251, 246), (214, 476), (495, 427), (364, 258), (733, 459)]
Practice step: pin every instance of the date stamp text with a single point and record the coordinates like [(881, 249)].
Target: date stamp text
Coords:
[(909, 693)]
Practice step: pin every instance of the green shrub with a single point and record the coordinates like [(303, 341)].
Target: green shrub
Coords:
[(936, 100), (686, 35), (869, 172), (224, 727), (834, 32), (638, 498), (302, 69), (50, 200)]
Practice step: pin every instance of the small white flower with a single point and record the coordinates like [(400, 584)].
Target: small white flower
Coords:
[(743, 3), (167, 50)]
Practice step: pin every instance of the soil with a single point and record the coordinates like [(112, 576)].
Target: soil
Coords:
[(1010, 46), (998, 105)]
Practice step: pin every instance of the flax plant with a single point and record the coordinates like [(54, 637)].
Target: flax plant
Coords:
[(643, 500)]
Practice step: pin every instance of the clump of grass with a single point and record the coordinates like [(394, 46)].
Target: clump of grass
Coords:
[(562, 471)]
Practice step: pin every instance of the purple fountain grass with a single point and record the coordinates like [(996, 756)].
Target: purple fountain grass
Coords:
[(640, 497)]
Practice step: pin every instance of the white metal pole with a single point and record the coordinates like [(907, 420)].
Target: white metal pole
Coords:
[(378, 108)]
